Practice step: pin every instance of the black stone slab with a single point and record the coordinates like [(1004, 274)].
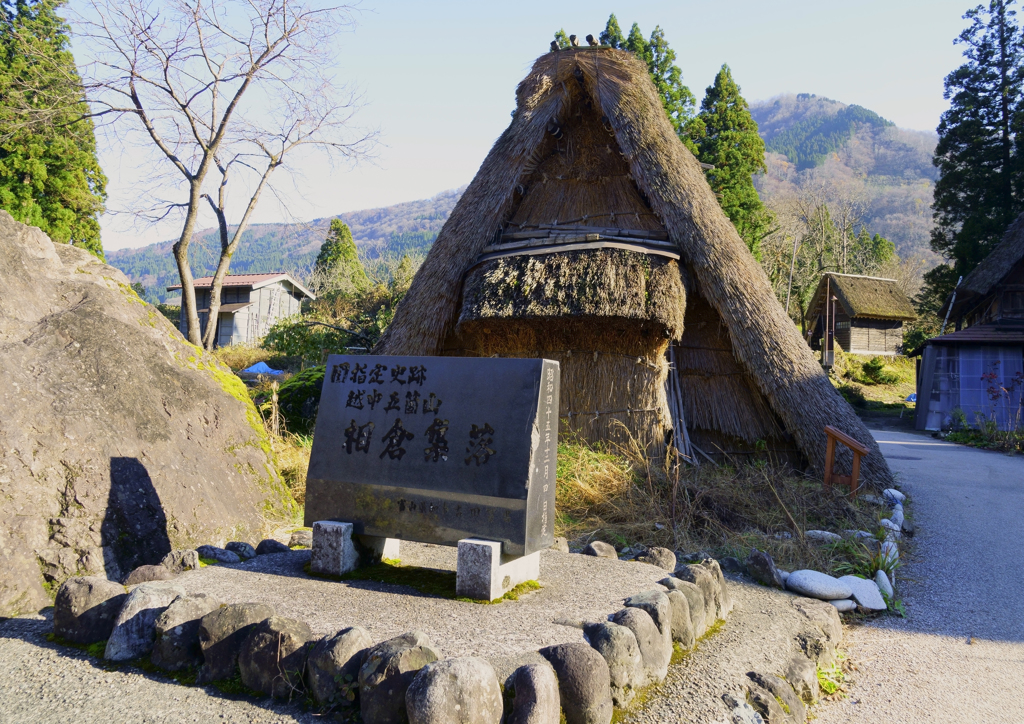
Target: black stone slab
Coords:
[(436, 449)]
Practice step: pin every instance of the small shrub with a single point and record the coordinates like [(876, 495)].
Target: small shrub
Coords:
[(876, 371), (853, 394), (299, 400)]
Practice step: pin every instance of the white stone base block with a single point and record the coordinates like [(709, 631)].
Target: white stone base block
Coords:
[(333, 550), (375, 548), (483, 574)]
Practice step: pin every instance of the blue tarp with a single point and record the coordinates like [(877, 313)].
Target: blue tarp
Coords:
[(912, 397), (261, 368)]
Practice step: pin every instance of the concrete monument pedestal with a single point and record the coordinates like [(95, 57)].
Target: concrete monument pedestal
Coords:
[(484, 574), (336, 553)]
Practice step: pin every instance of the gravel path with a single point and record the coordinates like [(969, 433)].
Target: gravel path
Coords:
[(963, 580)]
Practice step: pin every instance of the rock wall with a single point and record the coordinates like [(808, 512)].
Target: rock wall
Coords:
[(119, 440)]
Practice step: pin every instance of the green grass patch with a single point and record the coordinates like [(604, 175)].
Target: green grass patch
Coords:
[(96, 650), (204, 562)]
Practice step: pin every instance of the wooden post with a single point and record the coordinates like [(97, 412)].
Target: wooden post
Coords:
[(856, 448)]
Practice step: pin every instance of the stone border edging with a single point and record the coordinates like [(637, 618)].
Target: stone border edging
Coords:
[(279, 657)]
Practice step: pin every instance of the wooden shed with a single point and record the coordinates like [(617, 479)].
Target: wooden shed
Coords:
[(250, 305), (863, 315)]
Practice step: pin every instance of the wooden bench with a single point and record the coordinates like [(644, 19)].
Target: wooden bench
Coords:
[(830, 456)]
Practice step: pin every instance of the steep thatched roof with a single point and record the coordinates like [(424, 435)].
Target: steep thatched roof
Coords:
[(998, 264), (764, 339), (865, 297), (993, 269)]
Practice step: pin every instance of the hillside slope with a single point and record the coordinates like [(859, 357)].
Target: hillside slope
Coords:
[(816, 144), (407, 228)]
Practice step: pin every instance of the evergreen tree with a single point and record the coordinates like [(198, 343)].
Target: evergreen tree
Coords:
[(612, 34), (981, 183), (677, 99), (49, 174), (337, 267), (562, 39), (726, 136)]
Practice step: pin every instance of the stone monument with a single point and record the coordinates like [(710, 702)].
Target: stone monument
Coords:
[(449, 450)]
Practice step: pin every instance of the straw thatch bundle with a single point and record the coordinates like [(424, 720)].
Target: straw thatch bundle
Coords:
[(552, 167)]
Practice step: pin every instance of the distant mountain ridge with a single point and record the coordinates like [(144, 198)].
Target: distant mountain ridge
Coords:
[(406, 228), (812, 142)]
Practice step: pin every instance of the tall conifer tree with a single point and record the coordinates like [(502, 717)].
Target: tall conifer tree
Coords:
[(981, 184), (726, 136), (612, 33), (49, 174), (337, 266)]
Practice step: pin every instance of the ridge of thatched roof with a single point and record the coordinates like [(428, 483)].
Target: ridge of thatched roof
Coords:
[(992, 269), (764, 339), (864, 296), (998, 264)]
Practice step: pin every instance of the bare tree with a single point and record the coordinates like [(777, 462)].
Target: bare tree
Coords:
[(231, 85)]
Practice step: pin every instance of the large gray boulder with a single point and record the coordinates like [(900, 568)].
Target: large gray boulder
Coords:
[(180, 561), (386, 674), (584, 685), (682, 624), (619, 647), (802, 675), (272, 659), (709, 587), (815, 584), (794, 709), (725, 598), (241, 549), (656, 604), (536, 698), (762, 569), (866, 593), (135, 626), (463, 690), (332, 670), (695, 599), (655, 645), (221, 635), (177, 632), (600, 549), (822, 632), (148, 574), (118, 440), (220, 555), (86, 608), (660, 557)]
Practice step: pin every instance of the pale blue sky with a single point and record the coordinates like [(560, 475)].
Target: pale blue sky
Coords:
[(438, 80)]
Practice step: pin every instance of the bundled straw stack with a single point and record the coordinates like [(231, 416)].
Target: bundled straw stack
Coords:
[(585, 236)]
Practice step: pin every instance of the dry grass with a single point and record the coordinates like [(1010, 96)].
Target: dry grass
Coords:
[(292, 454), (239, 357), (623, 497)]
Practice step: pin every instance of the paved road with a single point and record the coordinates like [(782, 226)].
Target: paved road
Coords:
[(962, 579)]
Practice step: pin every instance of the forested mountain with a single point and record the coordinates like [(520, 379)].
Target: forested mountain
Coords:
[(408, 228), (822, 147), (816, 146)]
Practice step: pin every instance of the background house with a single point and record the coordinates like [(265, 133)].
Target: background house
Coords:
[(866, 315), (250, 305), (979, 367)]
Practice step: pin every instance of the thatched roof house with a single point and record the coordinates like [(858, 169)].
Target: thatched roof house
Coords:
[(589, 235), (866, 315), (995, 289), (977, 368)]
